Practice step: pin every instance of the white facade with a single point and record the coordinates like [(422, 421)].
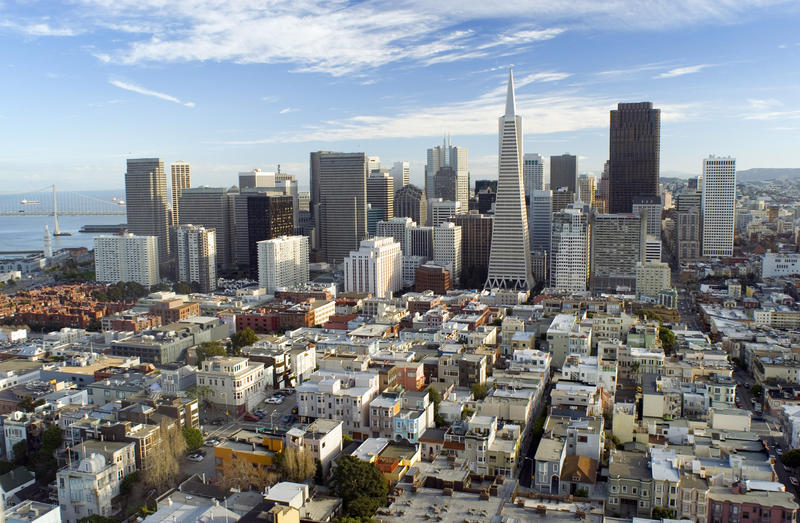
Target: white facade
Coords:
[(774, 265), (399, 229), (339, 395), (197, 255), (533, 172), (652, 278), (87, 487), (719, 205), (442, 210), (510, 254), (569, 259), (233, 382), (447, 248), (652, 249), (410, 266), (282, 262), (401, 173), (126, 258), (376, 268)]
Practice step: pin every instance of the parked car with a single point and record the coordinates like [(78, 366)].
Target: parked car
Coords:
[(250, 417), (213, 442), (260, 413), (195, 457)]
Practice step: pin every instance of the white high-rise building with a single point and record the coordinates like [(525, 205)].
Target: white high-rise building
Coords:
[(282, 262), (510, 254), (533, 172), (541, 217), (126, 258), (375, 268), (197, 256), (719, 205), (48, 243), (399, 229), (447, 248), (569, 258), (453, 156), (442, 210), (401, 172), (373, 164)]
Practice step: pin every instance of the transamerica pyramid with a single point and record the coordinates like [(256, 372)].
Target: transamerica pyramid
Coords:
[(510, 254)]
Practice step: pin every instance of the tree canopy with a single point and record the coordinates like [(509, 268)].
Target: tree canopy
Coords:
[(791, 458), (209, 349), (241, 339), (193, 437), (360, 485)]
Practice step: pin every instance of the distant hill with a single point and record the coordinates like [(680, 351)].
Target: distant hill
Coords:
[(762, 174)]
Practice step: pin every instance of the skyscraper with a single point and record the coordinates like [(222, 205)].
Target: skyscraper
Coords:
[(586, 189), (375, 268), (651, 207), (688, 228), (476, 239), (569, 260), (401, 173), (268, 216), (211, 207), (719, 205), (256, 178), (447, 155), (447, 248), (442, 210), (380, 193), (533, 172), (339, 189), (563, 171), (181, 180), (282, 262), (541, 220), (196, 256), (510, 256), (421, 241), (446, 184), (618, 244), (634, 154), (410, 201), (126, 258), (146, 202), (399, 229)]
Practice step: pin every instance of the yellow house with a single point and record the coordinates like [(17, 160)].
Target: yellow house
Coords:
[(247, 447)]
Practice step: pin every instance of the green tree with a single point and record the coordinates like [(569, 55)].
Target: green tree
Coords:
[(20, 450), (756, 390), (667, 338), (181, 288), (466, 413), (27, 404), (582, 492), (241, 339), (193, 437), (360, 485), (663, 513), (126, 486), (209, 349), (479, 391), (95, 518), (436, 399), (791, 458)]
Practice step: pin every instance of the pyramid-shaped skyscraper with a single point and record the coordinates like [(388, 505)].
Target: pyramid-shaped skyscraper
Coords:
[(510, 255)]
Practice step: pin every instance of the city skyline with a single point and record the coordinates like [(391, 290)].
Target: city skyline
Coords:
[(88, 89)]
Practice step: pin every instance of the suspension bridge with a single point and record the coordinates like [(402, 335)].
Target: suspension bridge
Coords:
[(48, 202)]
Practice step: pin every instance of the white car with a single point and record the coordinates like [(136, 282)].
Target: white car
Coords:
[(195, 457)]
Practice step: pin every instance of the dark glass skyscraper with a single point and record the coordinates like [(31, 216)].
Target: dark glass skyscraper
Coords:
[(634, 153), (563, 171), (147, 207), (268, 217)]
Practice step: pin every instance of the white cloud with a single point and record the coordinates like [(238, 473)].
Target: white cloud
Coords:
[(287, 110), (681, 71), (148, 92), (761, 105), (272, 98), (38, 29)]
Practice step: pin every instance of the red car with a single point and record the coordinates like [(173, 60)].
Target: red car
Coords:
[(250, 417)]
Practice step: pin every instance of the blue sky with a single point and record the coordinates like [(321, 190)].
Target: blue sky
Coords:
[(229, 86)]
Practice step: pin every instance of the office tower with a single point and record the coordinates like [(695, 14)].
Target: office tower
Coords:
[(486, 200), (652, 248), (540, 266), (282, 262), (211, 207), (652, 278), (562, 198), (126, 258), (339, 189), (373, 164), (286, 184), (533, 172), (410, 201), (541, 220), (442, 210), (267, 217), (374, 215), (586, 190), (447, 155), (688, 235), (476, 240), (618, 244), (401, 174), (719, 205), (256, 178), (446, 184), (181, 179), (304, 201), (651, 207), (447, 248), (569, 255), (421, 240), (564, 172), (485, 184), (196, 256), (634, 153), (432, 278), (510, 256), (375, 268), (146, 202), (692, 183), (400, 230), (380, 193), (601, 197)]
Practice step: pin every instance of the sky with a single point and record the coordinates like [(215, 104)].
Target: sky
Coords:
[(234, 85)]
